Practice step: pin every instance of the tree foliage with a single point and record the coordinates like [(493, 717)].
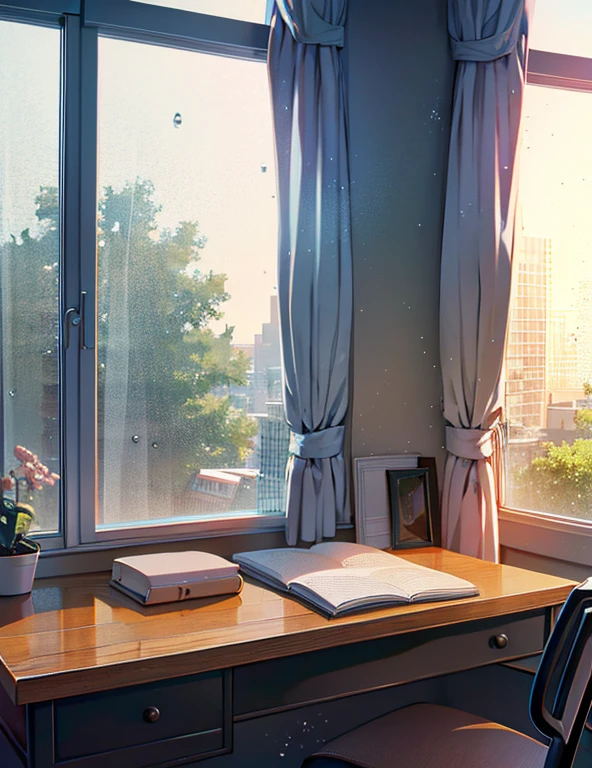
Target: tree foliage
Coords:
[(163, 374), (178, 369), (583, 422), (559, 482)]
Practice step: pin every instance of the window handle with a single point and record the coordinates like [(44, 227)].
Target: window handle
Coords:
[(87, 318), (71, 317), (83, 317)]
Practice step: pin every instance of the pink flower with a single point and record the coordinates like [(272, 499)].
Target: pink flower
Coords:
[(34, 472), (22, 454)]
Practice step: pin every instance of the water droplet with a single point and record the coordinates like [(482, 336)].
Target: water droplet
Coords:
[(177, 120), (135, 438), (155, 445), (263, 168), (12, 393)]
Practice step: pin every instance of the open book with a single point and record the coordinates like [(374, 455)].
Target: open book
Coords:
[(338, 577)]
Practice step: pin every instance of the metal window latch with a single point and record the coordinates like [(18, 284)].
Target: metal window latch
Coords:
[(71, 318), (83, 317)]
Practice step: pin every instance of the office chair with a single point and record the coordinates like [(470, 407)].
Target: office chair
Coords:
[(431, 736)]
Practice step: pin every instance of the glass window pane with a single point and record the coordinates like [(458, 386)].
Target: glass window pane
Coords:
[(30, 252), (562, 27), (549, 351), (189, 404), (243, 10)]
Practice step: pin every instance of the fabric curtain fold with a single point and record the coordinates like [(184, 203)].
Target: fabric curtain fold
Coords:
[(314, 259), (489, 41)]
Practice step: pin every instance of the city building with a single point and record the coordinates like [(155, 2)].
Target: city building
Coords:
[(526, 384)]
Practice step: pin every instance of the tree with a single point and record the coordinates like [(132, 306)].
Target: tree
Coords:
[(583, 422), (155, 307), (29, 330), (164, 409), (559, 482)]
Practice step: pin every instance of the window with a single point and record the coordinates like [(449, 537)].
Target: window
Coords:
[(158, 261), (30, 250), (549, 350)]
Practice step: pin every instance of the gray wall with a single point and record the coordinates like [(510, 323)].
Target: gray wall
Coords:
[(400, 91)]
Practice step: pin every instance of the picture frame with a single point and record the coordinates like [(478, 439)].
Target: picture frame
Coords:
[(372, 509), (436, 517), (411, 508)]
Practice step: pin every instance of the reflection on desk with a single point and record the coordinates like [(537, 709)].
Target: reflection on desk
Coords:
[(83, 636)]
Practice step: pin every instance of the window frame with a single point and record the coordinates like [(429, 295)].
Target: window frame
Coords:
[(134, 22), (541, 533), (44, 13)]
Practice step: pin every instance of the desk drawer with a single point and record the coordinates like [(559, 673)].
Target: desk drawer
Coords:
[(349, 669), (143, 725)]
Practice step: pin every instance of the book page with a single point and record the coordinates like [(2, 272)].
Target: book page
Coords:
[(337, 589), (424, 583), (358, 555), (282, 565)]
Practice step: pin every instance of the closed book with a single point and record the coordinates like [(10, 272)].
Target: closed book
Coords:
[(172, 576)]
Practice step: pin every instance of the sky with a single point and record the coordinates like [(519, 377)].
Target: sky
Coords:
[(556, 160), (216, 168)]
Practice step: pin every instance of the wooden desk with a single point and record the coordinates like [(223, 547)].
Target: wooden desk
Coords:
[(76, 637)]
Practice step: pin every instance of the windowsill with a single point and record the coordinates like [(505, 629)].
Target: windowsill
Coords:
[(560, 539), (250, 533)]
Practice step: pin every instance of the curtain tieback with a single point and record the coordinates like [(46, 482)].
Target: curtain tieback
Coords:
[(475, 444), (307, 25), (488, 48), (318, 445)]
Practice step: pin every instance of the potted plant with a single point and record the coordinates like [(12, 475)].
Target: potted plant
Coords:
[(18, 553)]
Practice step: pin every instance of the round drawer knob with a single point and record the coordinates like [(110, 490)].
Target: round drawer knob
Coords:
[(151, 714), (499, 641)]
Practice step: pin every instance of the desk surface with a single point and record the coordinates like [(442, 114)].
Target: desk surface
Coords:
[(77, 635)]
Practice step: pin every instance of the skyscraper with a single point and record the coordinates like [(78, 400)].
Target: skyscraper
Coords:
[(527, 336)]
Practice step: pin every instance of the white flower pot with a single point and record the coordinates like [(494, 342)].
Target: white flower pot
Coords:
[(17, 573)]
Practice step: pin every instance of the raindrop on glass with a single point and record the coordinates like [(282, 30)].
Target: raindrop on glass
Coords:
[(177, 120)]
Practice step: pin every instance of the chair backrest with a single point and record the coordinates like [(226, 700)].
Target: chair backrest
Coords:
[(562, 691)]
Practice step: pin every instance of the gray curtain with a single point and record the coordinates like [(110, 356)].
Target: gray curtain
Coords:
[(488, 39), (314, 260)]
